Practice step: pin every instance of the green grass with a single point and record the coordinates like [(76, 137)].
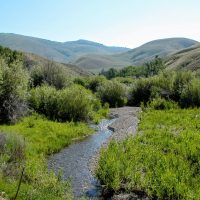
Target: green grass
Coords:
[(163, 160), (47, 137), (42, 137)]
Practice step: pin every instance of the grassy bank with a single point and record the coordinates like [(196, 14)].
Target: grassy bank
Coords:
[(163, 160), (42, 137)]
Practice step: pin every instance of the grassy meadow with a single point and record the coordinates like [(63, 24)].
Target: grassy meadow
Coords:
[(33, 139), (163, 160)]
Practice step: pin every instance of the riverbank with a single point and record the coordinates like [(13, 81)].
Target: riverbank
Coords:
[(29, 142), (161, 162), (125, 122)]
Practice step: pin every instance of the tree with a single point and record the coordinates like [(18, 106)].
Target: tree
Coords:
[(154, 67)]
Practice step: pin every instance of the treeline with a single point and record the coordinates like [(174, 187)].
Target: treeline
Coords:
[(168, 89), (149, 69), (46, 89)]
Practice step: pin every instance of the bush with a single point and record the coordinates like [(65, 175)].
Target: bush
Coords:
[(73, 103), (162, 104), (51, 74), (113, 92), (190, 96), (13, 91), (180, 80), (95, 82), (12, 154), (76, 103), (140, 92)]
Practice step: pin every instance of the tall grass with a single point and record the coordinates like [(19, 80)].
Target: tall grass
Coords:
[(42, 137), (163, 160)]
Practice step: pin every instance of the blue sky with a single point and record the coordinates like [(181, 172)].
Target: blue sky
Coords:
[(112, 22)]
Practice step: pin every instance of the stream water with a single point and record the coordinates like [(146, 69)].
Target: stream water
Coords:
[(74, 162)]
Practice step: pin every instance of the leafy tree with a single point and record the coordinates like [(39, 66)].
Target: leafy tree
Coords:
[(154, 67)]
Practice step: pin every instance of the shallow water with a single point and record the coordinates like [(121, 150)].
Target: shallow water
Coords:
[(74, 161)]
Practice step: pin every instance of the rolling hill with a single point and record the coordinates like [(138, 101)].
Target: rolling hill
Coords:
[(58, 51), (137, 56), (32, 60), (93, 56), (186, 59)]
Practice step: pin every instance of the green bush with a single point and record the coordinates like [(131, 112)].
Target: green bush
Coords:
[(13, 91), (51, 74), (73, 103), (190, 96), (12, 148), (113, 93), (180, 80), (95, 82), (161, 104), (140, 92)]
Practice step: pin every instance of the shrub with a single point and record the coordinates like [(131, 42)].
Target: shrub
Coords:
[(81, 81), (44, 100), (162, 104), (51, 74), (190, 96), (73, 103), (12, 154), (180, 80), (12, 147), (76, 103), (95, 82), (140, 92), (13, 91), (113, 92)]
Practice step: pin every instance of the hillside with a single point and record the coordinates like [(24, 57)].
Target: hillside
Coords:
[(71, 70), (96, 63), (93, 56), (137, 56), (186, 59), (58, 51)]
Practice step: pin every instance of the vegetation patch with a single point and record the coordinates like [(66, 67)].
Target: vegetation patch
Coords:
[(25, 145), (163, 160)]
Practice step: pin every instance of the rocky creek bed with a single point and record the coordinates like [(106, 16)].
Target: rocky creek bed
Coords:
[(78, 161)]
